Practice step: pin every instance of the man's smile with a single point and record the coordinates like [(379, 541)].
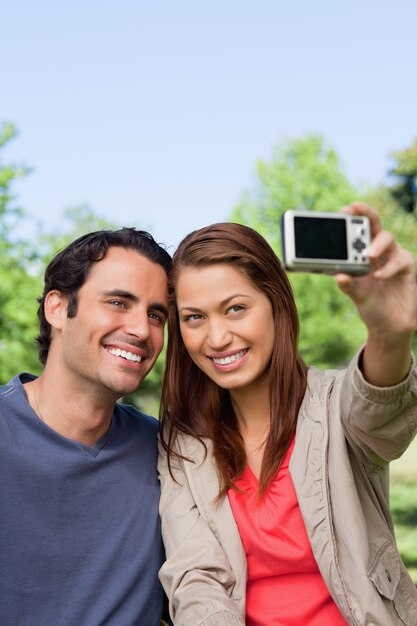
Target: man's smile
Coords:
[(129, 356)]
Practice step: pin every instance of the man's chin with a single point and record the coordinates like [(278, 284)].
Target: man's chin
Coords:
[(124, 388)]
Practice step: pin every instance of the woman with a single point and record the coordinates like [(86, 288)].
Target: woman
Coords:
[(274, 498)]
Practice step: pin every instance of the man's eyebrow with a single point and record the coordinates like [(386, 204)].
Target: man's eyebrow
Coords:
[(120, 293)]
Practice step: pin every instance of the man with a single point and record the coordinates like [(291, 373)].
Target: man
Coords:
[(79, 528)]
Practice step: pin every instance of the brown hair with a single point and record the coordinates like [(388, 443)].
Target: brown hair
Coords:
[(191, 402)]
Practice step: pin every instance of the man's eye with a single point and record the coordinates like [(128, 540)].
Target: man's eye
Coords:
[(118, 303), (158, 317)]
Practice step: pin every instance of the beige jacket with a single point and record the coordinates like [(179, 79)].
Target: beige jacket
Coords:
[(347, 432)]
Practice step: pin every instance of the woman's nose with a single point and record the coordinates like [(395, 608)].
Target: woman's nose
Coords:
[(219, 334)]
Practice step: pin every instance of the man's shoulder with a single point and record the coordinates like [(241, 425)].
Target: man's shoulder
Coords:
[(15, 384)]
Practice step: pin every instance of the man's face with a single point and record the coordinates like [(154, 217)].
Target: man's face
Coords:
[(118, 332)]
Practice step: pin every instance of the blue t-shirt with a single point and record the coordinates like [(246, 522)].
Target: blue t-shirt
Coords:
[(80, 540)]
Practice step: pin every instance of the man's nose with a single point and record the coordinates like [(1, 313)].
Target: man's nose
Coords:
[(138, 324)]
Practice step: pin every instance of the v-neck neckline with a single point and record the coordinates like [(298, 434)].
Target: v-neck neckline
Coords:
[(98, 446), (93, 450)]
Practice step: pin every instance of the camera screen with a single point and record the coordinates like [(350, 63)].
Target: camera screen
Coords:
[(320, 238)]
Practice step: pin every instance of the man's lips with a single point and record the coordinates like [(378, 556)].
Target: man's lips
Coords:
[(128, 355), (127, 351)]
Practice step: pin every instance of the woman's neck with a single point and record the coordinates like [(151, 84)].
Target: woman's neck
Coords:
[(252, 410), (251, 405)]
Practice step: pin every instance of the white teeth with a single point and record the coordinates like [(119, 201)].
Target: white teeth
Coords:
[(230, 359), (125, 355)]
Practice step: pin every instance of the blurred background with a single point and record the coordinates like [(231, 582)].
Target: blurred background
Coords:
[(169, 116)]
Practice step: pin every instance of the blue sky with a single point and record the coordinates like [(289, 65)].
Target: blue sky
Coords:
[(155, 113)]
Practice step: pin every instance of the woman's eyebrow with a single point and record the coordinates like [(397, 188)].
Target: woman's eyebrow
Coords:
[(194, 309)]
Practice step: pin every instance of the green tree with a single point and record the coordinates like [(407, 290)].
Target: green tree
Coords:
[(75, 222), (302, 173), (9, 172), (18, 284), (404, 192), (403, 224), (306, 173)]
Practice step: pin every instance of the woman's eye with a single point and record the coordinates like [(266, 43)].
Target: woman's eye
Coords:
[(236, 308), (193, 318)]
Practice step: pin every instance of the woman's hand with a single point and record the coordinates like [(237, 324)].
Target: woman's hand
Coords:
[(386, 300)]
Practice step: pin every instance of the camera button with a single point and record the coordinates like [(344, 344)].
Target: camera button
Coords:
[(359, 245)]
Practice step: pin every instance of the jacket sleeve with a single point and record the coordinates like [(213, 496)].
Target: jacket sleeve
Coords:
[(382, 421), (196, 576)]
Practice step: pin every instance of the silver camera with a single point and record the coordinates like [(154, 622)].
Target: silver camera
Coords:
[(314, 241)]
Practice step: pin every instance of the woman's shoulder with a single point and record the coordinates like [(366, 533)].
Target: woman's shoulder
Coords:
[(197, 448), (318, 379)]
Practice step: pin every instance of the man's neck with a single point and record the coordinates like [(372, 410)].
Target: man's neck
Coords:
[(73, 414)]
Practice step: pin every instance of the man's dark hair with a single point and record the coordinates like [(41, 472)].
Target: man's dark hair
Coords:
[(68, 270)]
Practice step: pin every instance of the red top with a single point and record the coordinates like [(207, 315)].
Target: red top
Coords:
[(285, 587)]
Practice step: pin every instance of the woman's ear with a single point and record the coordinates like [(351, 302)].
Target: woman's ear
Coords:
[(55, 307)]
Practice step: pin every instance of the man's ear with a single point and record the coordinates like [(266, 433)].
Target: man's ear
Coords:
[(55, 307)]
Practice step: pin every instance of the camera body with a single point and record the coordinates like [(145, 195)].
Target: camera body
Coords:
[(325, 242)]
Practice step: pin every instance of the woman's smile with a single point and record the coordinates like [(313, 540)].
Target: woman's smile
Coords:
[(233, 359)]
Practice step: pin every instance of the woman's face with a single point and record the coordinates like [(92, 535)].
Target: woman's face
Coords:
[(226, 325)]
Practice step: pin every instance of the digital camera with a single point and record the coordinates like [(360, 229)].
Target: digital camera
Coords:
[(314, 241)]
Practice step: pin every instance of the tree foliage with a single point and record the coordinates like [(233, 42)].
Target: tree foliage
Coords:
[(306, 173), (302, 173), (9, 172), (404, 192), (18, 287)]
